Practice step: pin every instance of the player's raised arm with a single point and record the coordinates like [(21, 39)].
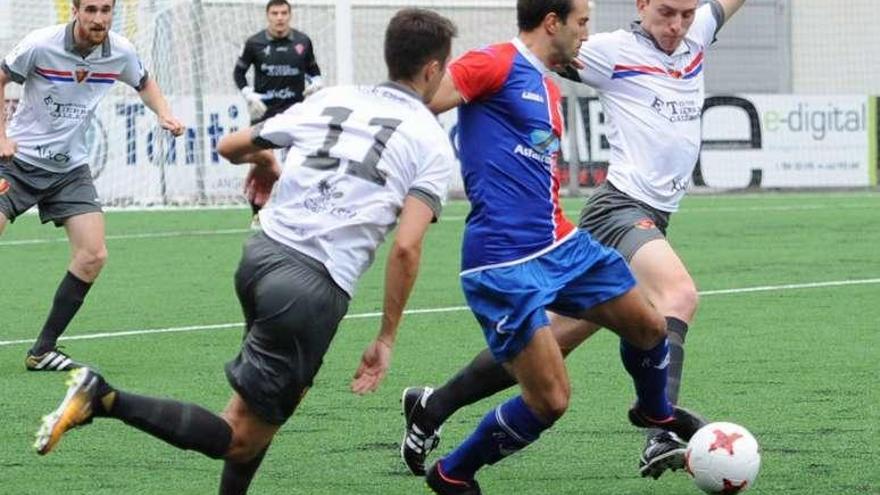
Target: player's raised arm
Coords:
[(153, 99), (401, 271), (730, 7)]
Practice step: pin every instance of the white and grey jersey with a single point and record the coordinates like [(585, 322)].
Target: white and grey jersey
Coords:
[(356, 153), (653, 103), (61, 90)]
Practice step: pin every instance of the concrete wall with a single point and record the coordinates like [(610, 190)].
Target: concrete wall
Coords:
[(835, 46)]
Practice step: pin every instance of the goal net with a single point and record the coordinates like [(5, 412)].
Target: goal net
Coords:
[(791, 88)]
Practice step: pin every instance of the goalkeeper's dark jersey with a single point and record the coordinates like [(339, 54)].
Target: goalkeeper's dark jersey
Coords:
[(280, 67)]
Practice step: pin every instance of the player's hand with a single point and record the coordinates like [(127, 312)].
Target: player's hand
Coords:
[(256, 107), (313, 85), (8, 147), (261, 177), (172, 125), (374, 364)]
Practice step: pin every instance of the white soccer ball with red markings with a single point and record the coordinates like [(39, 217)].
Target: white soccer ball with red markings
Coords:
[(723, 458)]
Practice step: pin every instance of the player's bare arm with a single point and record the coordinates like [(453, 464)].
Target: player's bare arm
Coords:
[(152, 97), (447, 96), (730, 7), (238, 147), (7, 146), (401, 271)]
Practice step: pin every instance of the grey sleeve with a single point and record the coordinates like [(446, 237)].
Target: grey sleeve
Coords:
[(429, 198), (718, 13), (143, 82), (14, 76)]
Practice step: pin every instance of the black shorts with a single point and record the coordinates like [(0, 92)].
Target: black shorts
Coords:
[(616, 220), (292, 309), (59, 196)]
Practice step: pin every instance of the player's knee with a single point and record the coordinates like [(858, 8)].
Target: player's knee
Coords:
[(91, 260), (651, 333), (553, 404), (682, 300), (243, 448), (678, 298)]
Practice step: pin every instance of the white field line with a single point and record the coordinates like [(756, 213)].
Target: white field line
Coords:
[(446, 218), (449, 309)]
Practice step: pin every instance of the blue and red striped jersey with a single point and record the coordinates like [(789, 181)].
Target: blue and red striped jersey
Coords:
[(510, 128)]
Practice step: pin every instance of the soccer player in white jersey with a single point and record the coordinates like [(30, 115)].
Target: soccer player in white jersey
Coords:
[(66, 70), (361, 160), (650, 83)]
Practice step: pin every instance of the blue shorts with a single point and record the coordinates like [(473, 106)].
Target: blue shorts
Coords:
[(510, 302)]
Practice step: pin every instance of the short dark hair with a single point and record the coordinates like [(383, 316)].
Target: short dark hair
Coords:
[(274, 3), (415, 37), (76, 3), (531, 13)]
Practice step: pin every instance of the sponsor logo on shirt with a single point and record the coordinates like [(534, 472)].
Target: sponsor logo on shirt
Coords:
[(680, 184), (545, 146), (324, 201), (528, 95), (679, 110), (273, 70), (532, 154), (67, 111), (52, 155)]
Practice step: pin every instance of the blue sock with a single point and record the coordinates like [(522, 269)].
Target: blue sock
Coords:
[(649, 370), (506, 429)]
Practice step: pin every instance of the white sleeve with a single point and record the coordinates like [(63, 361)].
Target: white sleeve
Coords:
[(707, 22), (597, 54), (19, 63), (134, 74), (435, 166), (280, 131)]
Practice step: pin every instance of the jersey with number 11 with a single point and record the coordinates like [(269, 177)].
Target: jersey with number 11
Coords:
[(355, 154)]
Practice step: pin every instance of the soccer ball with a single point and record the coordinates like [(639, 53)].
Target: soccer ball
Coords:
[(723, 458)]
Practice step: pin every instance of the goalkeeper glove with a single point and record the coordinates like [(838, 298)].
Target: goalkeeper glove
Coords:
[(256, 107), (313, 85)]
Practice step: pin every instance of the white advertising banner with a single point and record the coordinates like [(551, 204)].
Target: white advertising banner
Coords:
[(134, 162), (782, 141)]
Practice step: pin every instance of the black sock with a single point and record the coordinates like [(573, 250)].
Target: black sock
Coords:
[(481, 378), (676, 331), (185, 426), (68, 298), (236, 478)]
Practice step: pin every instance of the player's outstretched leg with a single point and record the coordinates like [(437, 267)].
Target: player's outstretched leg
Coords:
[(84, 389), (185, 426), (481, 378)]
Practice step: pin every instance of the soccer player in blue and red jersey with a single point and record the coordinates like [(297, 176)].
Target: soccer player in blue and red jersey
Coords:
[(521, 256)]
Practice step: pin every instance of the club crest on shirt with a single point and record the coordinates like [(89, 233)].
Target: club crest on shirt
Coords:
[(81, 73), (645, 224), (300, 48)]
